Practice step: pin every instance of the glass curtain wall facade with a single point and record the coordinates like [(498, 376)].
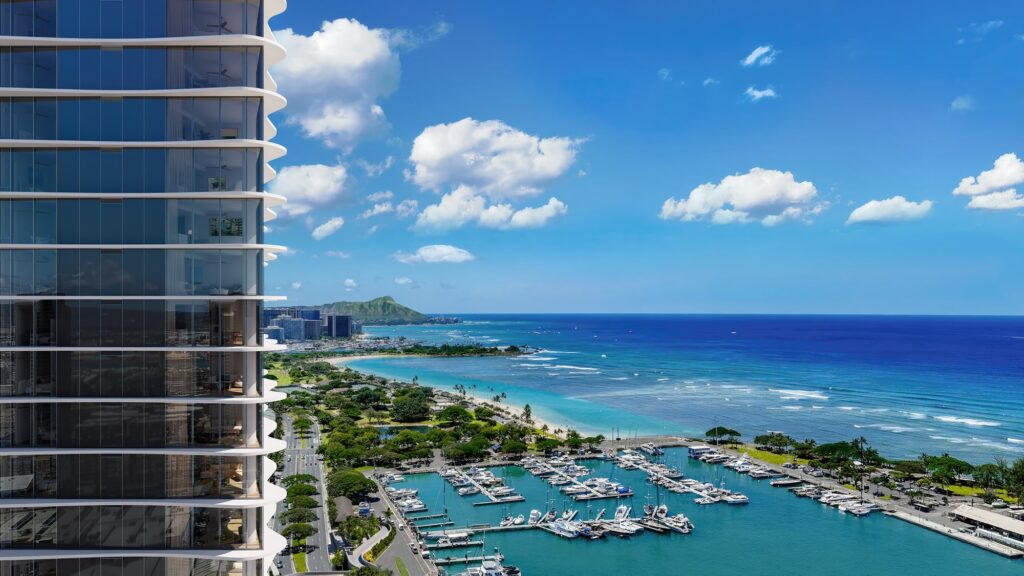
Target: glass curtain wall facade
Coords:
[(133, 167)]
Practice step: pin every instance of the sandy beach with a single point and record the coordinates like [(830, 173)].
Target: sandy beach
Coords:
[(512, 409)]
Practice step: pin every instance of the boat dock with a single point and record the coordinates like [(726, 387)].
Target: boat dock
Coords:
[(670, 483), (478, 528), (426, 517), (467, 559), (434, 524), (548, 471), (455, 544), (500, 500)]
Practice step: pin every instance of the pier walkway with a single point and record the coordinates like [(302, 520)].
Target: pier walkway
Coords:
[(467, 559), (670, 483), (548, 471), (967, 537)]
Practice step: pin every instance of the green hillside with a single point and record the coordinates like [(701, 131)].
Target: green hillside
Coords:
[(379, 311)]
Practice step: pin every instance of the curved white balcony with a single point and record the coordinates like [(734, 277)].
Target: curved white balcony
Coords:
[(211, 298), (264, 348), (228, 503), (270, 445), (271, 150), (272, 100), (272, 544), (273, 52), (227, 400), (272, 8)]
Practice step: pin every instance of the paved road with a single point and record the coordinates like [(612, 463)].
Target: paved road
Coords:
[(401, 547), (300, 460)]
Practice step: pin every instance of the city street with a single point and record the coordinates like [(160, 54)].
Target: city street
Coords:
[(300, 460), (402, 547)]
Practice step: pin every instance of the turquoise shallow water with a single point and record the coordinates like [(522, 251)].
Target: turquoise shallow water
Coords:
[(777, 533), (907, 384)]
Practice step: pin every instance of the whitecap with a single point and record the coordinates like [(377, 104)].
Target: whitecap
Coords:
[(798, 394), (1015, 441), (973, 422), (792, 407), (914, 415), (950, 439), (847, 408), (886, 428), (571, 367), (538, 358), (663, 379), (586, 373), (620, 378)]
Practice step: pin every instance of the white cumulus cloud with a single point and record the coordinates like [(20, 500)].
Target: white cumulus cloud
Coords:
[(308, 186), (407, 208), (296, 285), (377, 210), (489, 156), (1005, 200), (381, 196), (463, 205), (335, 77), (710, 82), (1007, 171), (760, 56), (435, 254), (350, 284), (327, 228), (767, 196), (755, 94), (338, 254), (894, 209)]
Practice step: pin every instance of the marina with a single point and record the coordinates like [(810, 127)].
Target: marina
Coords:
[(669, 478)]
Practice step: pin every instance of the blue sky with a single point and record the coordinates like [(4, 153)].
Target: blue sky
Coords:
[(582, 156)]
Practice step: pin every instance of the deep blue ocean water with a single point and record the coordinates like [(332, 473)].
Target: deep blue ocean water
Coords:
[(907, 384)]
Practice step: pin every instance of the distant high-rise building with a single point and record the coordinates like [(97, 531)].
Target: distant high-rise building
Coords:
[(338, 326), (302, 312), (134, 143), (311, 329), (274, 333), (294, 328)]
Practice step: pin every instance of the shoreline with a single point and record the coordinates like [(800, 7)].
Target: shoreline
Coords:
[(516, 410)]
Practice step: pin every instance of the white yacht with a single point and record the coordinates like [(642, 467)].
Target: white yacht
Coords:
[(535, 516), (518, 520), (468, 491), (736, 498), (563, 528)]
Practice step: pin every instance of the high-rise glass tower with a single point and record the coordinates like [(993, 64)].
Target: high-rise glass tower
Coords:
[(134, 144)]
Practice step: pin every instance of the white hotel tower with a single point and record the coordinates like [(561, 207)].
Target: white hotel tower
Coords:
[(134, 150)]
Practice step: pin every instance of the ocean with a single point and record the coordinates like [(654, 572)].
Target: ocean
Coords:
[(908, 384)]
